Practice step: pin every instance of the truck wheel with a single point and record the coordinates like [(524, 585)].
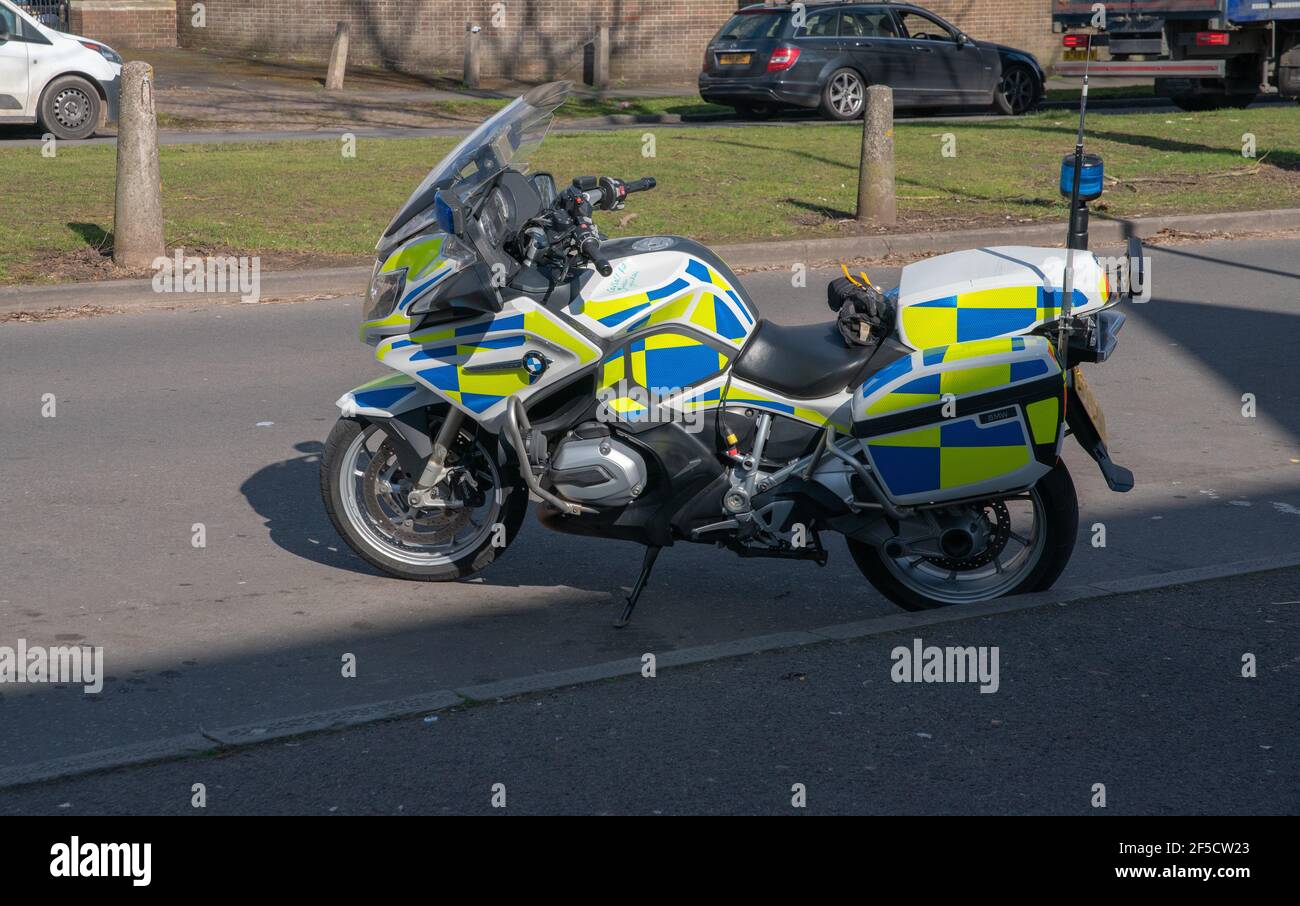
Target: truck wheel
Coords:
[(70, 108)]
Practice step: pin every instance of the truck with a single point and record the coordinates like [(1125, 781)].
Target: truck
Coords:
[(1202, 54)]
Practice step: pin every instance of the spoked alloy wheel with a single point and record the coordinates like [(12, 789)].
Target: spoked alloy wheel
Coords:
[(365, 492), (1017, 91), (1025, 541), (1017, 536), (844, 95)]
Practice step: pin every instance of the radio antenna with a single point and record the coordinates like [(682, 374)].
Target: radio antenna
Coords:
[(1078, 229)]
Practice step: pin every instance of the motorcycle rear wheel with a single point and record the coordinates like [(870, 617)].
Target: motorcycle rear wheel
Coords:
[(364, 491), (1047, 548)]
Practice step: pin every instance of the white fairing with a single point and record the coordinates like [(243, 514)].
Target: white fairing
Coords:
[(989, 292)]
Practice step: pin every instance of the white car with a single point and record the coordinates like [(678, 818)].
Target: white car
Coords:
[(67, 83)]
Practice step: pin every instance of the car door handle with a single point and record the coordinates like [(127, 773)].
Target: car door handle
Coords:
[(861, 43), (922, 48)]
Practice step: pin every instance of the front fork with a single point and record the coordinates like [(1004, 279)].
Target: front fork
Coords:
[(435, 469)]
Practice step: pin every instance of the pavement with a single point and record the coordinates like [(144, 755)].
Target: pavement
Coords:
[(1142, 693), (215, 414)]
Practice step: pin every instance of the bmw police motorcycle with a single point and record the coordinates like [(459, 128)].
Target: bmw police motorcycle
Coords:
[(633, 389)]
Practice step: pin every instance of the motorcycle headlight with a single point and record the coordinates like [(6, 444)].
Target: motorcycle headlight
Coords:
[(385, 291)]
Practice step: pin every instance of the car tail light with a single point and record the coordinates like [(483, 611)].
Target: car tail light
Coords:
[(1075, 41), (782, 59), (1211, 39)]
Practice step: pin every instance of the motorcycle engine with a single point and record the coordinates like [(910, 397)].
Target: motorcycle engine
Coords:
[(592, 466)]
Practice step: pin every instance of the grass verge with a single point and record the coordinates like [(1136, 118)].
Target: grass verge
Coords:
[(303, 202)]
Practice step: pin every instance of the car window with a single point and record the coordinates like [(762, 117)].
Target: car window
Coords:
[(820, 24), (918, 25), (868, 23), (752, 26), (9, 20)]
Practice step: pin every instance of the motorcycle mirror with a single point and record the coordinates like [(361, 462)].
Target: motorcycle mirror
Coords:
[(544, 184)]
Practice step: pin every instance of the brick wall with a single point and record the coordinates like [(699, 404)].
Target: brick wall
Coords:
[(1023, 24), (138, 24), (654, 41)]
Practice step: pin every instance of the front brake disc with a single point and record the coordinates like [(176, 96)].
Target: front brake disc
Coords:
[(387, 505)]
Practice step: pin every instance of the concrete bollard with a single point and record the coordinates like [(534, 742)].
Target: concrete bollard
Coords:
[(137, 210), (338, 59), (600, 59), (876, 204), (472, 59)]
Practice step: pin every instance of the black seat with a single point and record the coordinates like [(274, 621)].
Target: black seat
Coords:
[(805, 362)]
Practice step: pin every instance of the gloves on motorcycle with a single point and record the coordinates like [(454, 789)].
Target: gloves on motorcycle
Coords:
[(862, 311)]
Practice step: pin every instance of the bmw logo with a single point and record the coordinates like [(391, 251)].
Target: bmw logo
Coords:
[(535, 364)]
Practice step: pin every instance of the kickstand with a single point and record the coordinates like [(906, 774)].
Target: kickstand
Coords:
[(651, 555)]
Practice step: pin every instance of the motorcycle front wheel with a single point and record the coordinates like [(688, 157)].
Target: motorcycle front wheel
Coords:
[(365, 493), (1033, 534)]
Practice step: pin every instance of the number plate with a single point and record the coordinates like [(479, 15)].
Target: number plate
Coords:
[(733, 59), (1090, 404), (1079, 54)]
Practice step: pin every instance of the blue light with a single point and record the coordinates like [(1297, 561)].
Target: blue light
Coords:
[(443, 214), (1090, 180)]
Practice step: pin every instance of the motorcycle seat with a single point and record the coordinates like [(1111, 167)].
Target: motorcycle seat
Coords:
[(809, 361)]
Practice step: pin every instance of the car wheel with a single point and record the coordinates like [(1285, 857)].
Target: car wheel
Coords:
[(844, 95), (70, 109), (1017, 91)]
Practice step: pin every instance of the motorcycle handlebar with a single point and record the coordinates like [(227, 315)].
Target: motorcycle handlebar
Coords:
[(608, 193), (590, 249), (645, 184)]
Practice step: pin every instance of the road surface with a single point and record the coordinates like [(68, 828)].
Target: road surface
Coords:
[(1142, 693), (215, 415)]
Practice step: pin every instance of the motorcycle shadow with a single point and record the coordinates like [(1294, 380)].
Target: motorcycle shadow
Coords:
[(286, 495)]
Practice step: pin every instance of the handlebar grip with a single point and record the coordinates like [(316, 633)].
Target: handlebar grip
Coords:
[(590, 249), (644, 184)]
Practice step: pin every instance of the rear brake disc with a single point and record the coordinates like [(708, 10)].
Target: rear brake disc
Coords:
[(999, 534)]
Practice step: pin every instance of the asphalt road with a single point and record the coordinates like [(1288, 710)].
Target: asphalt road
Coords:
[(1142, 693), (159, 426)]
